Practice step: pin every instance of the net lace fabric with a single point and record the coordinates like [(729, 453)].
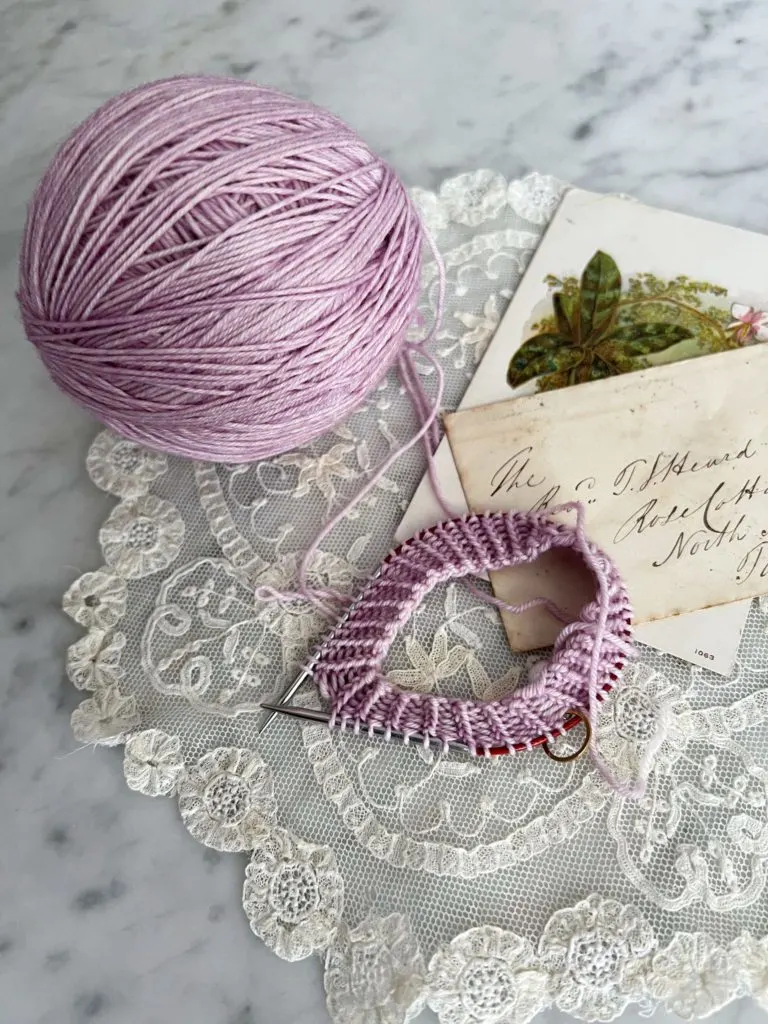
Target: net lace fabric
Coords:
[(403, 868)]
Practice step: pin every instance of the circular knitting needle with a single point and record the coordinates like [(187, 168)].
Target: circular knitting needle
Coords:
[(313, 715)]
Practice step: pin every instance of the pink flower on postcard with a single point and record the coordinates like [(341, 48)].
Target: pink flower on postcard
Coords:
[(749, 324)]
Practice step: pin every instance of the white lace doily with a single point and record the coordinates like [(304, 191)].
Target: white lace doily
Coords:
[(485, 889)]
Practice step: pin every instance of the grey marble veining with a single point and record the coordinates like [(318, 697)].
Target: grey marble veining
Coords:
[(109, 912)]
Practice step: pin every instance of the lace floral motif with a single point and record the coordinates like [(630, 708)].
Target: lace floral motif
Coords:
[(105, 718), (596, 953), (479, 196), (593, 960), (226, 800), (212, 640), (122, 467), (94, 660), (206, 640), (473, 342), (646, 711), (486, 975), (293, 895), (96, 600), (752, 957), (153, 763), (319, 470), (142, 536), (432, 211), (535, 197), (429, 670), (475, 197), (491, 689), (694, 977), (375, 973), (698, 836)]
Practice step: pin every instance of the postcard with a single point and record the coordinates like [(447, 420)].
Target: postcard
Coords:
[(673, 288)]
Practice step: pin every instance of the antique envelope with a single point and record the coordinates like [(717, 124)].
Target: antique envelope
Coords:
[(671, 464), (685, 287)]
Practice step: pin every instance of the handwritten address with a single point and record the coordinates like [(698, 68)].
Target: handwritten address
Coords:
[(684, 529)]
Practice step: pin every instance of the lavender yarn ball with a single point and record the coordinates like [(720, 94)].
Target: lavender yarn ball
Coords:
[(218, 270)]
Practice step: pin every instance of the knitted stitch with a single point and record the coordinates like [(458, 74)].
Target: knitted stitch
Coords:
[(587, 658)]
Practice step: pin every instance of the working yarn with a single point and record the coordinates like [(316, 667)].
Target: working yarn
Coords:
[(219, 270)]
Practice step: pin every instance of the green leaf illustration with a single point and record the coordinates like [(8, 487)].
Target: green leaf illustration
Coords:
[(600, 369), (645, 339), (600, 294), (554, 381), (612, 355), (544, 353), (566, 313)]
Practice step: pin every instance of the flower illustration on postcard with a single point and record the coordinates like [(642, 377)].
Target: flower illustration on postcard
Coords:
[(749, 324)]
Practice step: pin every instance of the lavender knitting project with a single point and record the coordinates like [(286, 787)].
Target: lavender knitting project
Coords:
[(586, 660)]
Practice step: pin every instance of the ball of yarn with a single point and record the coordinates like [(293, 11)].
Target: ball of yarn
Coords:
[(217, 269)]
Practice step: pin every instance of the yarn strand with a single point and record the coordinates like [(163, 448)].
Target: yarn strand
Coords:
[(426, 410)]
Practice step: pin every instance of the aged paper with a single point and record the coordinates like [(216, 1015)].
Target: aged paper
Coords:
[(671, 464)]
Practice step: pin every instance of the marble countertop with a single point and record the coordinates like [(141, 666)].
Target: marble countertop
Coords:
[(108, 912)]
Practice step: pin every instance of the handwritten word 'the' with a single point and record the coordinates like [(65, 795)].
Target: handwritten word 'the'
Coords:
[(515, 474)]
